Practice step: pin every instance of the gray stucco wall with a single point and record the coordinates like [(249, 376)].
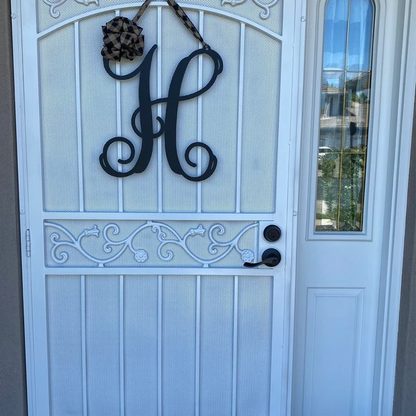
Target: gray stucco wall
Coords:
[(405, 387), (12, 380)]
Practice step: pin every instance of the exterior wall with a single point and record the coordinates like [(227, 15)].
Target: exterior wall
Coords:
[(405, 387), (12, 378)]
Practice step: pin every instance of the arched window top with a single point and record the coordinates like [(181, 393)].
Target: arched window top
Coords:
[(348, 35)]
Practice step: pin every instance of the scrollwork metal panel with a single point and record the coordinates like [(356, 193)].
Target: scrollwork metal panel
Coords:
[(266, 6), (150, 243), (267, 13), (53, 5)]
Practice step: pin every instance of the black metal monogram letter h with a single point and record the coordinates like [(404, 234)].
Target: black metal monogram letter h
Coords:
[(167, 127)]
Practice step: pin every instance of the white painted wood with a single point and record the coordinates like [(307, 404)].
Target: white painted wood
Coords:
[(346, 262), (332, 360), (407, 85)]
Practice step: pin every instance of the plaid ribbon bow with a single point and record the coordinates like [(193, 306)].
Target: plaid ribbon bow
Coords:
[(123, 39)]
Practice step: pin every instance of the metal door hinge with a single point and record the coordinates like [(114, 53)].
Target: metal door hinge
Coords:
[(28, 243)]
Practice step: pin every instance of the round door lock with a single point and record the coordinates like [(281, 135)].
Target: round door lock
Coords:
[(272, 233)]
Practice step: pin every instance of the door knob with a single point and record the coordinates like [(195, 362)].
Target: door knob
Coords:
[(270, 258), (272, 233)]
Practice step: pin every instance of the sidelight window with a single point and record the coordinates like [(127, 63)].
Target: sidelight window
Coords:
[(344, 115)]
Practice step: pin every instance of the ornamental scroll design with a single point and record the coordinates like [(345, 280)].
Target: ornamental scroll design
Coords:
[(53, 5), (266, 5), (165, 234)]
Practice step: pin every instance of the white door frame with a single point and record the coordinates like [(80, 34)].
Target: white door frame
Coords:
[(384, 391), (395, 63)]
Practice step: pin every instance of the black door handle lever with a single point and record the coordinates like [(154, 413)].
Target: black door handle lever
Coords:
[(270, 258)]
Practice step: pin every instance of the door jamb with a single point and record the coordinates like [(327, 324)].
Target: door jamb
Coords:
[(384, 390), (402, 32)]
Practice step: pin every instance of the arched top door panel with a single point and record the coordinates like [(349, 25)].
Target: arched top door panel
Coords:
[(85, 107)]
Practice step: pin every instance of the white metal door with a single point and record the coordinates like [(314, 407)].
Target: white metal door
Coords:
[(136, 298)]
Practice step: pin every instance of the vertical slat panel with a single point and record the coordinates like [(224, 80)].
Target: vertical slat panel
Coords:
[(177, 44), (99, 118), (83, 349), (254, 346), (240, 115), (220, 114), (159, 344), (159, 112), (279, 338), (178, 355), (199, 121), (197, 344), (260, 122), (103, 344), (64, 344), (235, 346), (119, 133), (121, 348), (79, 119), (141, 345), (59, 121), (141, 190), (216, 345)]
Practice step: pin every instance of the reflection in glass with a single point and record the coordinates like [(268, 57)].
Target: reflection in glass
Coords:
[(335, 41), (344, 115), (332, 104), (359, 35), (347, 37)]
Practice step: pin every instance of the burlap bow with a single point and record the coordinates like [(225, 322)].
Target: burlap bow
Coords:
[(122, 39)]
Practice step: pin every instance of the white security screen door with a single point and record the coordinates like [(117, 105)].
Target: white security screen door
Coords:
[(137, 301)]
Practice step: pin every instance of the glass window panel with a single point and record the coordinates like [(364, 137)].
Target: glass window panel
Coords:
[(327, 193), (351, 192), (335, 37), (332, 104), (344, 115), (359, 35), (340, 192), (357, 106)]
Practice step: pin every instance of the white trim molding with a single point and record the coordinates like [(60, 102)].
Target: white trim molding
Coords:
[(380, 247), (407, 84)]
